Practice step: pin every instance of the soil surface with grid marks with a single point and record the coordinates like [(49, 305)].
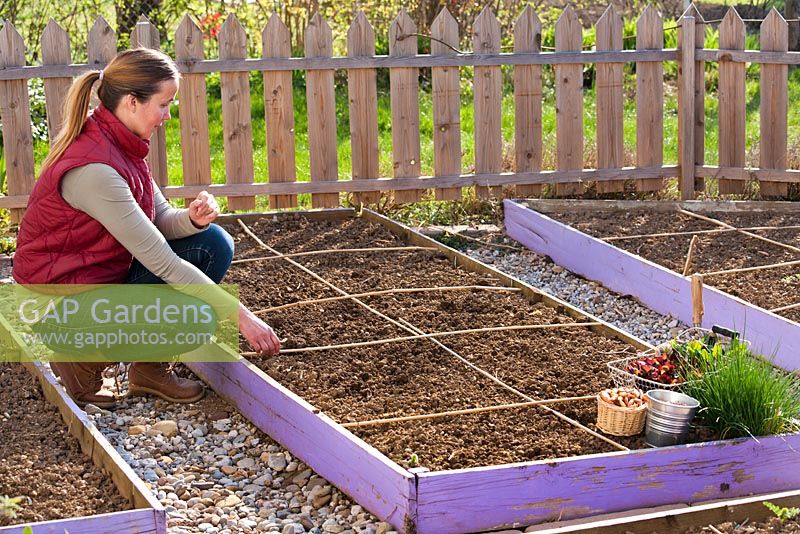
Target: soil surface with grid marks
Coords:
[(420, 376), (41, 462), (769, 288)]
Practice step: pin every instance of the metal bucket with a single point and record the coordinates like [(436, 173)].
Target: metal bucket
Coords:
[(668, 416)]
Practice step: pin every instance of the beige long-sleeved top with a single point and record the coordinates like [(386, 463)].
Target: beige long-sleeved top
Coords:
[(99, 191)]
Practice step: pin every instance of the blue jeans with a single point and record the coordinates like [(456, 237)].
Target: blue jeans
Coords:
[(211, 251)]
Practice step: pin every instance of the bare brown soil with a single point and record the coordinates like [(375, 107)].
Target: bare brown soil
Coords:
[(770, 526), (419, 377), (41, 462), (769, 289)]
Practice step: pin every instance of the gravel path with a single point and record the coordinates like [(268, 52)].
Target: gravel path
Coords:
[(216, 473)]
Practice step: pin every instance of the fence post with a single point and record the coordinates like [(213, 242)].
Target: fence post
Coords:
[(101, 48), (699, 97), (774, 104), (446, 105), (321, 99), (686, 131), (16, 116), (649, 99), (236, 122), (569, 102), (363, 91), (404, 95), (488, 102), (279, 112), (146, 35), (528, 101), (732, 102), (55, 51), (195, 150), (610, 124)]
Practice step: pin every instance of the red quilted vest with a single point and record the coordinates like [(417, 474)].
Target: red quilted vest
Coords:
[(58, 244)]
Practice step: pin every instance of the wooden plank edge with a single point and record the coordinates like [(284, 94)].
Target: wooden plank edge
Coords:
[(748, 56), (646, 521), (748, 174), (436, 489), (138, 521), (401, 184), (745, 206)]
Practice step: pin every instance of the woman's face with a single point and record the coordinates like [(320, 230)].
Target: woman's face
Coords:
[(145, 117)]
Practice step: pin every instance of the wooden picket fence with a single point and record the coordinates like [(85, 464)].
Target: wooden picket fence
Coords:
[(407, 185)]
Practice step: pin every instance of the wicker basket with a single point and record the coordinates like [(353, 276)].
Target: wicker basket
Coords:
[(622, 378), (619, 421)]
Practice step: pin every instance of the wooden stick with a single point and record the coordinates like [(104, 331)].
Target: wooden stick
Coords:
[(699, 232), (697, 299), (784, 308), (689, 255), (414, 330), (758, 268), (386, 292), (665, 234), (439, 415), (434, 334), (330, 251), (750, 234)]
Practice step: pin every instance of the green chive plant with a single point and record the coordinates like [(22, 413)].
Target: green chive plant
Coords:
[(744, 395)]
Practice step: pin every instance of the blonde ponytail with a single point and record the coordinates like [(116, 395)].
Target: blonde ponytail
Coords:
[(138, 72), (76, 110)]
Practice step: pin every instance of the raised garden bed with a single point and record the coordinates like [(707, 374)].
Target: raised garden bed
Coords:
[(478, 471), (584, 237), (69, 476)]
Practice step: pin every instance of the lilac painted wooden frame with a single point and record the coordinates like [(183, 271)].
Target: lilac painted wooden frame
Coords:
[(505, 496), (494, 497), (657, 287), (141, 521), (148, 516)]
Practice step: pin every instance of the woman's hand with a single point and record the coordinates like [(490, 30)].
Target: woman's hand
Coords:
[(203, 210), (258, 333)]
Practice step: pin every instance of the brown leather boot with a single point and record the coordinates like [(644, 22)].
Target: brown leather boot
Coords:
[(160, 380), (84, 383)]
